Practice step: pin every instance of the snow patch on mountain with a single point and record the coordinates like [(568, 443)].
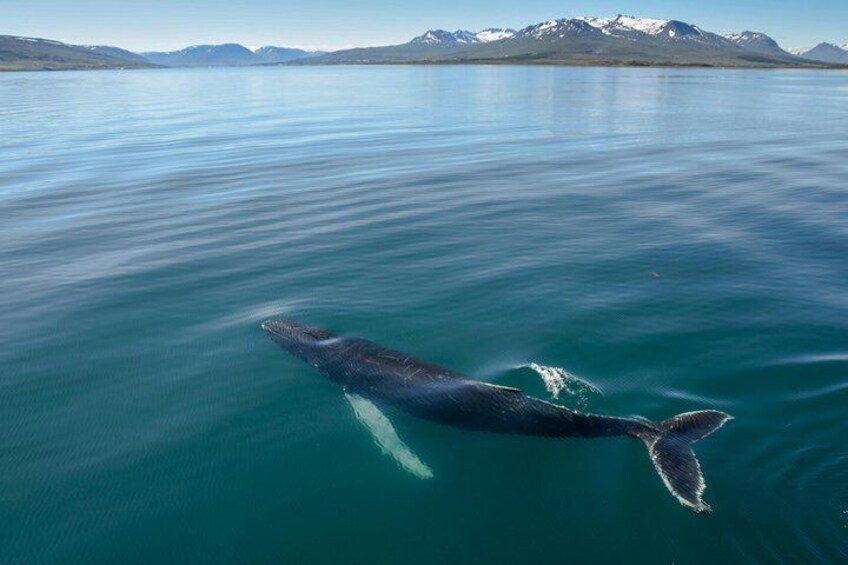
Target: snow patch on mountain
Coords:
[(465, 36), (754, 41), (553, 29), (620, 23), (650, 26), (494, 34), (600, 23), (744, 36), (36, 40), (442, 37), (462, 36)]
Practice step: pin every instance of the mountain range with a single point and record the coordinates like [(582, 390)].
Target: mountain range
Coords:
[(620, 40), (226, 55), (30, 54), (33, 54)]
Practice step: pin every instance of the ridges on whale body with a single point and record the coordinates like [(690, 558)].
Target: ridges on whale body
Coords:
[(374, 376)]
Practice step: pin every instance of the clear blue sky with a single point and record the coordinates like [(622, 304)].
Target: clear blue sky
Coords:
[(172, 24)]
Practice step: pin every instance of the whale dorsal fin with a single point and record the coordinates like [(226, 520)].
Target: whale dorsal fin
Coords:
[(386, 437)]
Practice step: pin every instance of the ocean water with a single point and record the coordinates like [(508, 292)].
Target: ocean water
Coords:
[(483, 218)]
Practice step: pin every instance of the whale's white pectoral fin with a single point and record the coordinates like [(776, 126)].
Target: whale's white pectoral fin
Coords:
[(386, 437)]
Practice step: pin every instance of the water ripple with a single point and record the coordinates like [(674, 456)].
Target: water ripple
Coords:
[(475, 217)]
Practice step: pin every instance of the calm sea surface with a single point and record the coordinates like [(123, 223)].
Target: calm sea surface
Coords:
[(483, 218)]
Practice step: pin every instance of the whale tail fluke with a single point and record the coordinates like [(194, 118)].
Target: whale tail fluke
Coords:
[(670, 449)]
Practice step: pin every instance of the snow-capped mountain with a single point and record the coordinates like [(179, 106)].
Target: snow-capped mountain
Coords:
[(441, 37), (621, 23), (754, 41), (630, 27), (623, 27), (619, 40), (558, 29)]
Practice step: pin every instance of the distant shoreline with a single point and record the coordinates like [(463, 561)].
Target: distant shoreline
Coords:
[(553, 63), (475, 63)]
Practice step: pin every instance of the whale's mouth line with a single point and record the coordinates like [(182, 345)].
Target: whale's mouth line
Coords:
[(276, 331), (271, 329)]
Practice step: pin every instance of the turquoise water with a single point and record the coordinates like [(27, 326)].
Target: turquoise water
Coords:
[(483, 218)]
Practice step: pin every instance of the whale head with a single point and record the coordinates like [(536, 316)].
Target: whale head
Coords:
[(309, 343)]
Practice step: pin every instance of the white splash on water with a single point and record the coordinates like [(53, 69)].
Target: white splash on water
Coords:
[(557, 380), (386, 437)]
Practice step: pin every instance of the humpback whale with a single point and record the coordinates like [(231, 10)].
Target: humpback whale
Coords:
[(373, 376)]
